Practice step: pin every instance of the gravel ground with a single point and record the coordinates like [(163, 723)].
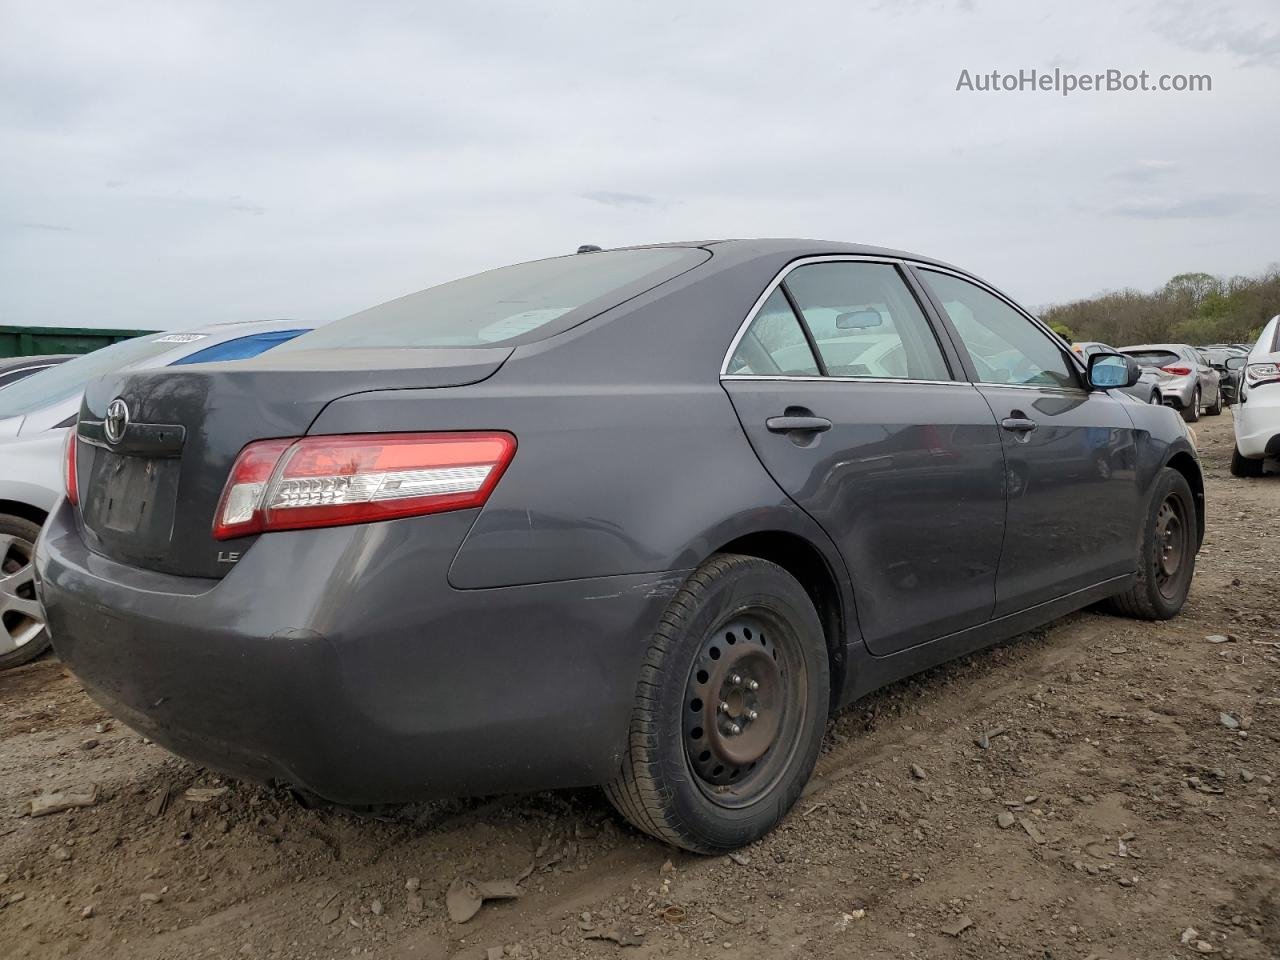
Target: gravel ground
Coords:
[(1127, 810)]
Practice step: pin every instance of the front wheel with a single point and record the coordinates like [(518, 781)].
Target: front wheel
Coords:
[(23, 636), (1155, 398), (1191, 412), (1215, 408), (730, 708), (1167, 553)]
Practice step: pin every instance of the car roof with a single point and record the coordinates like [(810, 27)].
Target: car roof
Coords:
[(798, 247), (1171, 347)]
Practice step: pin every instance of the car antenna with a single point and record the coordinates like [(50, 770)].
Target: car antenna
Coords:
[(589, 248)]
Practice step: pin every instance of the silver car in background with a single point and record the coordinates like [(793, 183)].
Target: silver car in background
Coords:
[(35, 414), (1146, 390), (1186, 379)]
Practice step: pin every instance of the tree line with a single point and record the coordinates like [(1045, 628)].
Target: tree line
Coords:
[(1195, 308)]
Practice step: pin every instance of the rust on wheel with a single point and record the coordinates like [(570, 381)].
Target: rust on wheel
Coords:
[(1172, 544), (744, 702)]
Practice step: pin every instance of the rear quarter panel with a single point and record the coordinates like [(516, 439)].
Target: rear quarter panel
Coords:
[(605, 480), (630, 456)]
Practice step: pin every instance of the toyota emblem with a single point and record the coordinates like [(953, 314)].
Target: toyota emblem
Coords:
[(117, 421)]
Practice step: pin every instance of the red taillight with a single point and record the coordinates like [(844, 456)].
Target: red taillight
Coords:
[(1177, 371), (69, 478), (329, 481)]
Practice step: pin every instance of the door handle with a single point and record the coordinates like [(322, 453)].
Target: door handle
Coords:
[(1018, 424), (798, 424)]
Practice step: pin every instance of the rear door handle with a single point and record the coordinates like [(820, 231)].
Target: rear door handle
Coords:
[(798, 424), (1018, 424)]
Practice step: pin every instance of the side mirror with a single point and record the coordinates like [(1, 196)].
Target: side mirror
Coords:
[(1236, 363), (1109, 371), (859, 320)]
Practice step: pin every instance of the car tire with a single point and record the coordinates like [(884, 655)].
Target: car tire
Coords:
[(740, 648), (1216, 408), (23, 635), (1191, 412), (1166, 554), (1242, 466), (1156, 399)]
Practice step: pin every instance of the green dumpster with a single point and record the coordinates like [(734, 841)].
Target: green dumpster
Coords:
[(33, 341)]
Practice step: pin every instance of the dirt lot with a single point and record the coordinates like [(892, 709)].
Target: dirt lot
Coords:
[(1136, 776)]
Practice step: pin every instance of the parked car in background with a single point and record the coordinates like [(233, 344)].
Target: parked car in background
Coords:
[(1147, 389), (640, 518), (1228, 379), (34, 417), (1257, 414), (13, 369), (1186, 380)]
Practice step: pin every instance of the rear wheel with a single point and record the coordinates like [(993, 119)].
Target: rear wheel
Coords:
[(730, 709), (1167, 554), (1216, 407), (23, 636), (1191, 412), (1242, 466)]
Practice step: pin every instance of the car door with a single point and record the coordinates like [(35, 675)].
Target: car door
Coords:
[(848, 397), (1072, 490), (1208, 376)]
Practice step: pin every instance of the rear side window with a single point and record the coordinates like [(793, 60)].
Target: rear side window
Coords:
[(865, 322), (241, 348), (516, 304), (774, 345), (1005, 346)]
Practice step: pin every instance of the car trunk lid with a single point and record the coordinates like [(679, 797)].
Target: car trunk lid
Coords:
[(155, 448)]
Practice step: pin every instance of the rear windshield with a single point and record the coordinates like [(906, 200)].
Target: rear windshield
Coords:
[(69, 379), (515, 304), (1153, 358)]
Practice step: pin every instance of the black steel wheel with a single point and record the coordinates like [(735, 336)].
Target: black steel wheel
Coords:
[(730, 708), (1167, 552), (745, 696)]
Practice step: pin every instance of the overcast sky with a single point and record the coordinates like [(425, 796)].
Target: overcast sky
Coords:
[(167, 164)]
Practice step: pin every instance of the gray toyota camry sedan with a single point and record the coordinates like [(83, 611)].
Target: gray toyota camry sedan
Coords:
[(640, 518)]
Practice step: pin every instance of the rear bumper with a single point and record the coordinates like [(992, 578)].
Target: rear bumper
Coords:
[(1179, 390), (341, 661), (1257, 422)]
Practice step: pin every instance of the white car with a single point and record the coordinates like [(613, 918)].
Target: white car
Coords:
[(1257, 413), (35, 414)]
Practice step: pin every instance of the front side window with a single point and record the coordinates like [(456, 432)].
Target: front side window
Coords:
[(865, 322), (774, 345), (1005, 346)]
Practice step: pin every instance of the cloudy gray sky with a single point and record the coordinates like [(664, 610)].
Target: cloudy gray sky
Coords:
[(164, 164)]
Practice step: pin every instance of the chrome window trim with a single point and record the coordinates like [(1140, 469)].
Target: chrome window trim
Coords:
[(777, 281), (820, 379)]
